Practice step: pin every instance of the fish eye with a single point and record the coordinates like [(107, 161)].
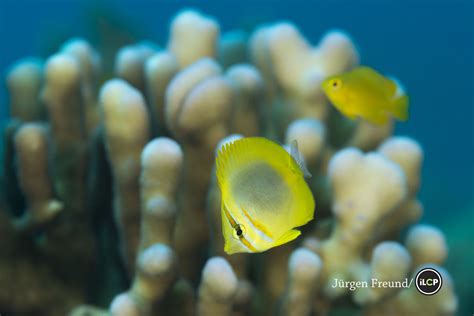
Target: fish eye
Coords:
[(239, 231), (336, 83)]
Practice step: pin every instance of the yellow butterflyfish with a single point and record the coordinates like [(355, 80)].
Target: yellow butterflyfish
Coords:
[(264, 194), (365, 93)]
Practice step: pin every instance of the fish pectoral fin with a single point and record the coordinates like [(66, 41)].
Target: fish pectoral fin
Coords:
[(287, 237)]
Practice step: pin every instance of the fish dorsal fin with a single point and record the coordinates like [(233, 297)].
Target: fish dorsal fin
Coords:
[(376, 79), (233, 155), (296, 154)]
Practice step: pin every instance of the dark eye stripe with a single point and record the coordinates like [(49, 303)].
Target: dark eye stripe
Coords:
[(233, 224), (229, 218)]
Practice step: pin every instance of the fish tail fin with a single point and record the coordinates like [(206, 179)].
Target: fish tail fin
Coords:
[(400, 108), (400, 101)]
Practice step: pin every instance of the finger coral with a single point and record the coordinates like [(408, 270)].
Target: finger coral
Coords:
[(193, 36), (217, 289), (113, 203), (24, 82), (125, 119), (32, 154)]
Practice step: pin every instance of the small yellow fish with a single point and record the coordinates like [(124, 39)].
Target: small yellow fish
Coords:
[(365, 93), (264, 194)]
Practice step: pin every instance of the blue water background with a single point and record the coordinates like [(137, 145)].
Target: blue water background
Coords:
[(428, 45)]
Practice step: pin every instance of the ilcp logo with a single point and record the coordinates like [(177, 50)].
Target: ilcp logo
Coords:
[(428, 281)]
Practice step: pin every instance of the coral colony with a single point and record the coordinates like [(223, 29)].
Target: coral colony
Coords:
[(144, 143)]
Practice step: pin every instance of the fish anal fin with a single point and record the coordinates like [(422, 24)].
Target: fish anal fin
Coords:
[(377, 117), (351, 116), (287, 237)]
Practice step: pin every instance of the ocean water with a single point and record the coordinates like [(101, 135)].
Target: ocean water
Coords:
[(427, 45)]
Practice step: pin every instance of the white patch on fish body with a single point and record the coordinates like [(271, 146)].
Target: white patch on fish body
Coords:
[(250, 226)]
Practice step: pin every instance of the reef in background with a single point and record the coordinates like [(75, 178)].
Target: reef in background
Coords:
[(143, 145)]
